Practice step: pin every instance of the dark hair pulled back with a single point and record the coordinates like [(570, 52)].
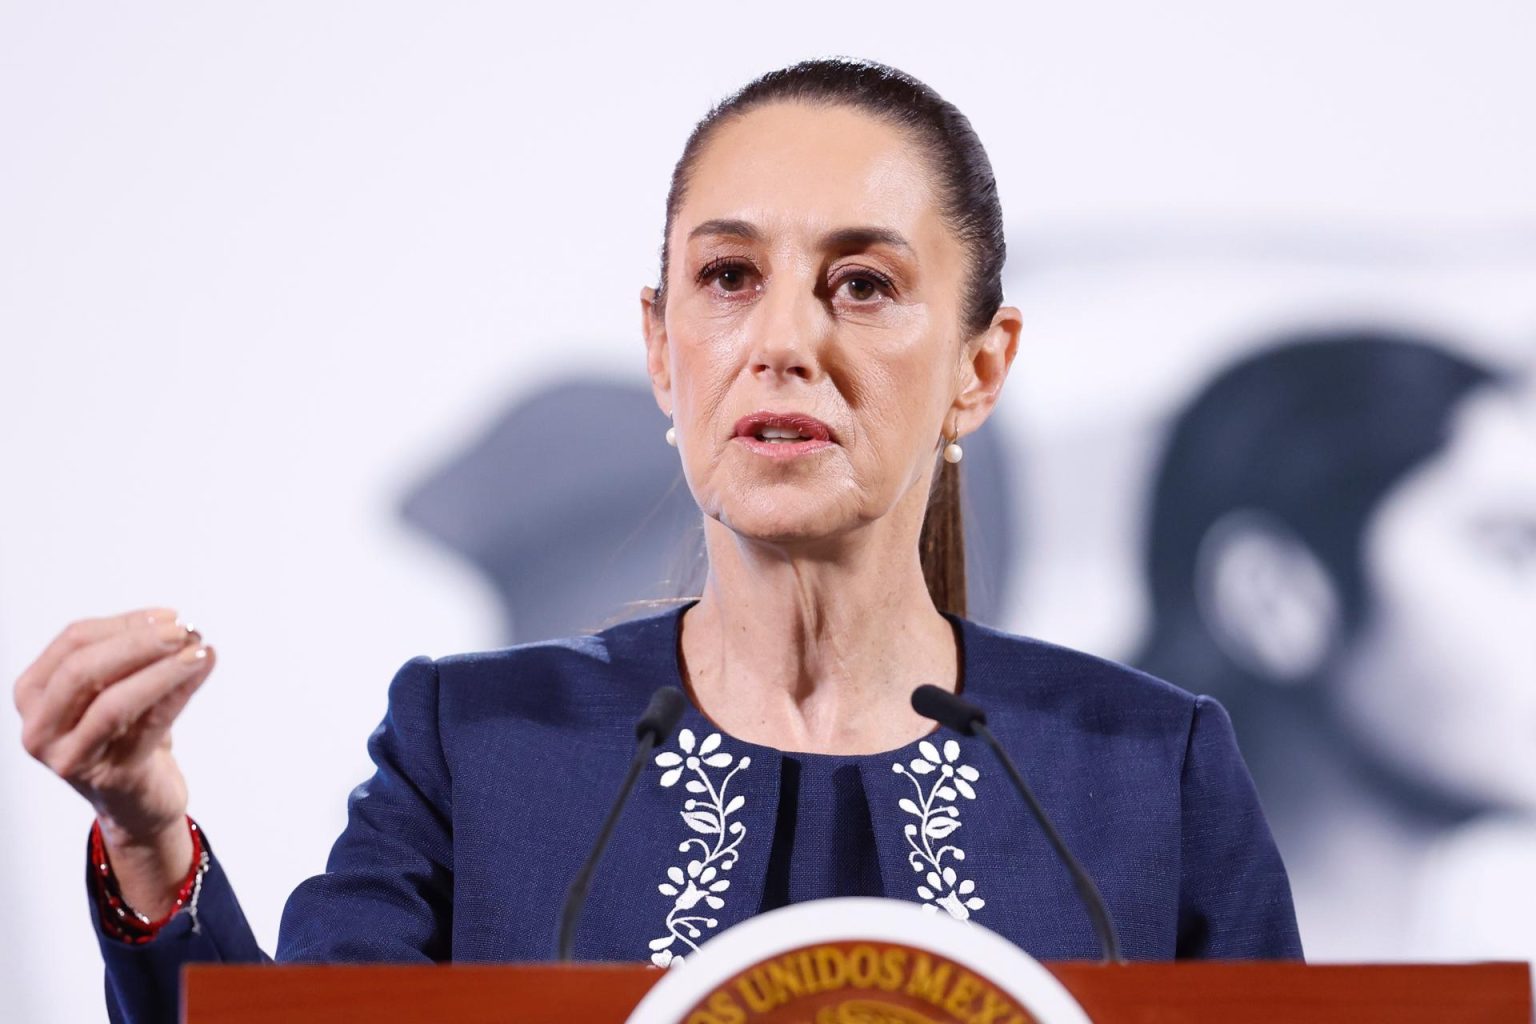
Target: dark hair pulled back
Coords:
[(966, 191)]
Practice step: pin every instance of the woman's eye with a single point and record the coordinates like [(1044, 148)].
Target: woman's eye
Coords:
[(732, 275), (865, 286)]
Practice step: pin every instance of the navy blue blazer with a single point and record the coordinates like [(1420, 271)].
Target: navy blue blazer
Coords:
[(496, 768)]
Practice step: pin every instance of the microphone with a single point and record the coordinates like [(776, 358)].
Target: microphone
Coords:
[(651, 731), (967, 719)]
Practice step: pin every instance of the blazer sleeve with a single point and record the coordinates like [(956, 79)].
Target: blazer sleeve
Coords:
[(387, 890), (1234, 896), (143, 981), (385, 895)]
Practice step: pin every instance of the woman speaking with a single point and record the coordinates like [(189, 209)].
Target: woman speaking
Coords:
[(827, 329)]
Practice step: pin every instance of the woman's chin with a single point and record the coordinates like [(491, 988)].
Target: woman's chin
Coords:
[(785, 525)]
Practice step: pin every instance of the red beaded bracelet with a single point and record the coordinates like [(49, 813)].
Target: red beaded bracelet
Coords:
[(121, 921)]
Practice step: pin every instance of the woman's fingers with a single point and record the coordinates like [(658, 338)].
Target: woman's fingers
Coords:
[(33, 680), (86, 671), (154, 727), (118, 708)]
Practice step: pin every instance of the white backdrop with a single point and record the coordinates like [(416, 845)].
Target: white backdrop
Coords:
[(262, 265)]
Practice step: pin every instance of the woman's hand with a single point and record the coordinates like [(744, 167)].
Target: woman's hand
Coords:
[(96, 708)]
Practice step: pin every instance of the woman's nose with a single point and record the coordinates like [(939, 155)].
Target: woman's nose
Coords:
[(788, 335)]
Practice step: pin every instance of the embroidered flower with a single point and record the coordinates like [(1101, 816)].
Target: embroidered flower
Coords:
[(942, 886), (715, 845)]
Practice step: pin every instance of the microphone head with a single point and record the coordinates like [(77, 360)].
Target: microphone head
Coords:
[(661, 715), (947, 709)]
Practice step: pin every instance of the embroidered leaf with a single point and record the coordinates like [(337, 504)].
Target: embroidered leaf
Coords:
[(742, 765), (906, 804), (897, 768), (965, 789), (938, 828), (925, 892), (959, 853), (968, 773), (676, 875), (975, 902), (715, 902), (661, 943), (949, 876), (663, 958), (933, 880), (930, 908), (694, 867), (707, 875), (951, 750), (710, 743), (967, 887), (929, 751), (737, 802), (944, 793), (702, 822), (695, 786), (949, 809), (720, 760), (685, 740), (670, 776), (669, 758), (920, 766), (721, 886), (667, 890), (737, 828), (910, 830)]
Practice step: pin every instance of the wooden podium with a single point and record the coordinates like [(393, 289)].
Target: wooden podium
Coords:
[(1142, 993)]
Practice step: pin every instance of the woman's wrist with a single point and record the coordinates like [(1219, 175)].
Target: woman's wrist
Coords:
[(144, 883)]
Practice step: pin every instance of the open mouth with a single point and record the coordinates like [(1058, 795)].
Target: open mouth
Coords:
[(781, 434)]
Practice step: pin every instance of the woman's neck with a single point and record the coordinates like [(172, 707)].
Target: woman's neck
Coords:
[(816, 652)]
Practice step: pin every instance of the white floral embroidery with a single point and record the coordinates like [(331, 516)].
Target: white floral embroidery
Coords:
[(717, 841), (936, 821)]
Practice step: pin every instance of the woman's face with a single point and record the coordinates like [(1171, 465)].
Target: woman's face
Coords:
[(814, 291), (1441, 684)]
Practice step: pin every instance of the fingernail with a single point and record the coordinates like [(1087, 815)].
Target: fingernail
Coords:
[(171, 635), (160, 615), (193, 654)]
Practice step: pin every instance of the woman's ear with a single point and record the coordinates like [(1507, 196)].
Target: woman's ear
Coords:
[(1266, 598), (653, 327), (985, 360)]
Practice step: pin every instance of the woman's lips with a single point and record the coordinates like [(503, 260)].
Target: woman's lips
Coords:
[(780, 449), (751, 430)]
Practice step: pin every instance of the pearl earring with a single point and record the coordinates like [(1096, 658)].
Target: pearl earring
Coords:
[(672, 436), (953, 453)]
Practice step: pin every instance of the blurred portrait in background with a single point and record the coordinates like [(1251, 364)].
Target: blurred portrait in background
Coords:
[(1341, 544)]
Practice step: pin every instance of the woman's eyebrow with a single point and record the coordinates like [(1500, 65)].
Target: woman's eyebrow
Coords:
[(841, 238)]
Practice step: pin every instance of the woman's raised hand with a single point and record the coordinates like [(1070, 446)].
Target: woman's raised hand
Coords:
[(96, 708)]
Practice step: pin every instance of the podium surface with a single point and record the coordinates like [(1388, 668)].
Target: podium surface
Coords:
[(1137, 993)]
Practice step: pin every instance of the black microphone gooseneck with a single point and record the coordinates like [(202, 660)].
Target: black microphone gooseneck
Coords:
[(969, 720), (651, 731)]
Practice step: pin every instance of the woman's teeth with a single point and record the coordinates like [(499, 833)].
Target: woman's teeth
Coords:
[(779, 434)]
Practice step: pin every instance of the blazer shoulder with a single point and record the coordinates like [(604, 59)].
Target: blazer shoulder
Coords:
[(580, 680), (1038, 670)]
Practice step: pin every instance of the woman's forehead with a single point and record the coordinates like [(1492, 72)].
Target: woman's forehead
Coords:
[(798, 172)]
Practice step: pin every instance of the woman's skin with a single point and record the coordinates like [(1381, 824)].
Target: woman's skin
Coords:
[(815, 623), (96, 708)]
